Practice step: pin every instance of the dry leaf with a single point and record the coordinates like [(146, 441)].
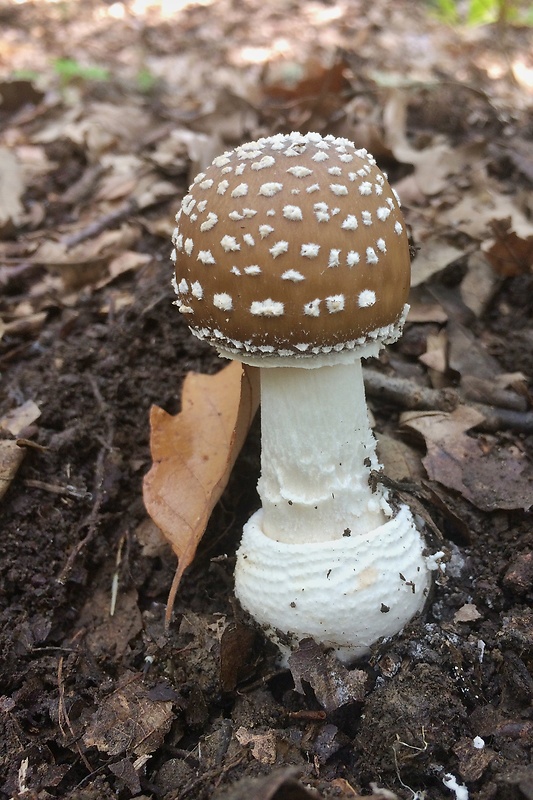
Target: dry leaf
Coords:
[(150, 190), (480, 207), (152, 541), (99, 127), (400, 462), (467, 613), (12, 454), (122, 170), (426, 312), (467, 356), (334, 685), (434, 165), (509, 254), (125, 262), (434, 255), (11, 190), (435, 357), (29, 325), (262, 745), (20, 418), (128, 721), (193, 454), (183, 147), (498, 478), (11, 457), (479, 284), (304, 83), (87, 262)]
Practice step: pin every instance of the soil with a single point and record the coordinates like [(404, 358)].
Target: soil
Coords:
[(97, 699)]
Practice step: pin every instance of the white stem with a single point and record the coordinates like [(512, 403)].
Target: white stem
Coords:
[(317, 453), (325, 556)]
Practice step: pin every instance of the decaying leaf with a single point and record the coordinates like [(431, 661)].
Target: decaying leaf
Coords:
[(491, 478), (193, 454), (128, 721), (125, 771), (111, 633), (334, 685), (237, 663)]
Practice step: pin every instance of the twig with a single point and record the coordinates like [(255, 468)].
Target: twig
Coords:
[(101, 224), (68, 490), (408, 395), (498, 418), (308, 714), (31, 443)]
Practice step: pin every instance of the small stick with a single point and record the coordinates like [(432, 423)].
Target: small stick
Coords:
[(101, 224), (69, 491), (407, 394)]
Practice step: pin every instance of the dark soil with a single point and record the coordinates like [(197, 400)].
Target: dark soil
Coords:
[(100, 705)]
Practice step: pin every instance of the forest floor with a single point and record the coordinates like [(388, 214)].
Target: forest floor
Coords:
[(107, 110)]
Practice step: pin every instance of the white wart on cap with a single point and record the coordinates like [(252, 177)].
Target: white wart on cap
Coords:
[(293, 244)]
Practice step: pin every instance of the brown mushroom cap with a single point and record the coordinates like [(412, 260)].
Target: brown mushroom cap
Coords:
[(293, 244)]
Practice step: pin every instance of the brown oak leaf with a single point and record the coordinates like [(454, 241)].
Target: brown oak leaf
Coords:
[(193, 454)]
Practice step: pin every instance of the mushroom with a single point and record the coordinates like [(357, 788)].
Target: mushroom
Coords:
[(291, 255)]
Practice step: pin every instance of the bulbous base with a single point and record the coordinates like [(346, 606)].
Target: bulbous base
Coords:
[(345, 594)]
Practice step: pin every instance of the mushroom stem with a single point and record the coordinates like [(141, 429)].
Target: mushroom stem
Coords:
[(317, 453)]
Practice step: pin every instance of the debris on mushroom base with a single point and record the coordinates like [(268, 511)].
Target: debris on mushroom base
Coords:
[(291, 254)]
